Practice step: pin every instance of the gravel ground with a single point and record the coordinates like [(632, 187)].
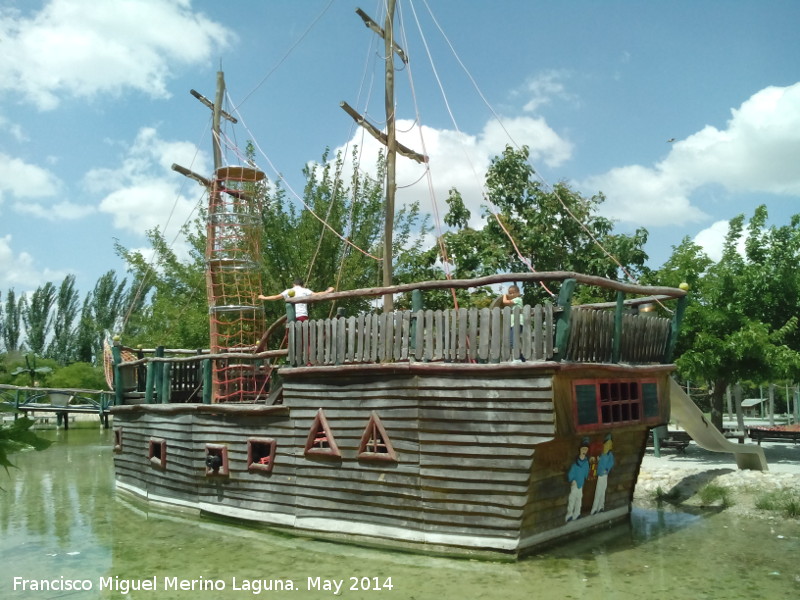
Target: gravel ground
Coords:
[(682, 476)]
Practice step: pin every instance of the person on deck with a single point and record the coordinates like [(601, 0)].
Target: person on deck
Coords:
[(513, 298), (298, 290)]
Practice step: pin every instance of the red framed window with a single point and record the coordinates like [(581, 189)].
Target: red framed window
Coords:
[(261, 454), (608, 402), (320, 440), (157, 452), (375, 443), (217, 460)]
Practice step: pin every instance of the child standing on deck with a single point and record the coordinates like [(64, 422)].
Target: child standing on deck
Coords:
[(513, 298), (297, 290)]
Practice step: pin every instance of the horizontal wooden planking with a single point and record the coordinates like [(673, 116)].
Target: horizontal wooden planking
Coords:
[(360, 471), (475, 416)]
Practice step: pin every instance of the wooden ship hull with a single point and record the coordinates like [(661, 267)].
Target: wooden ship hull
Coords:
[(415, 430)]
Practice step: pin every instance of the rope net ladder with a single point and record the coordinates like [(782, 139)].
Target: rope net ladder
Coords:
[(233, 281)]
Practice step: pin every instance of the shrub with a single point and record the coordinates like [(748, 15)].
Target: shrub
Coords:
[(713, 493), (785, 501)]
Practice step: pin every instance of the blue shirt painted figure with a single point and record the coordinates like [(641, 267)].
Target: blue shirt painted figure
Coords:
[(579, 471), (605, 463), (577, 475)]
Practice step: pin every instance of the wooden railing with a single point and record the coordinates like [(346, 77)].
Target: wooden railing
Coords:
[(642, 339), (464, 335), (608, 332)]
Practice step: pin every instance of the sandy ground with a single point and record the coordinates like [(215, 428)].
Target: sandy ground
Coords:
[(684, 475)]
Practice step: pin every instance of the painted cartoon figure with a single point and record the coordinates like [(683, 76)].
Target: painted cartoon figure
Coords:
[(605, 462), (577, 475)]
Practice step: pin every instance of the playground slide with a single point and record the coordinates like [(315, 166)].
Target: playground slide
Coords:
[(688, 416)]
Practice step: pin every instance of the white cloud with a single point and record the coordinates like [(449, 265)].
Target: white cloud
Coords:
[(544, 89), (756, 153), (712, 240), (60, 211), (460, 160), (143, 192), (25, 181), (18, 269), (15, 129), (78, 48)]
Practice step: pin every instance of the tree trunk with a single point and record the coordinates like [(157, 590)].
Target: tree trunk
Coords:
[(738, 395), (717, 402), (771, 404)]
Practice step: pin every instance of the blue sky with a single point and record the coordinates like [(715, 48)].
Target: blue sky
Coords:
[(94, 108)]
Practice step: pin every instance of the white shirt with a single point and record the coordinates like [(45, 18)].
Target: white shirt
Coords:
[(300, 310)]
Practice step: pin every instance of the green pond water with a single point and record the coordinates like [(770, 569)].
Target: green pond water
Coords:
[(62, 521)]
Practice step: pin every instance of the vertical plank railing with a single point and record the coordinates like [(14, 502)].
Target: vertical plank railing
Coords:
[(456, 335)]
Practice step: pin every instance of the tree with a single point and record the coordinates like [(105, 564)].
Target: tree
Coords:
[(108, 306), (78, 375), (553, 230), (175, 313), (61, 347), (739, 324), (11, 329), (37, 317), (296, 244)]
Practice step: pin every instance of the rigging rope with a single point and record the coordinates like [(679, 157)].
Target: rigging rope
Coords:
[(295, 194), (427, 172), (555, 191)]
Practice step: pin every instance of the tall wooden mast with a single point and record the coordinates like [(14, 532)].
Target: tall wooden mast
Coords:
[(391, 156), (389, 139), (233, 275)]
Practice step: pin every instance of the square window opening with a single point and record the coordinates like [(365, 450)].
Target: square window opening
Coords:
[(261, 454)]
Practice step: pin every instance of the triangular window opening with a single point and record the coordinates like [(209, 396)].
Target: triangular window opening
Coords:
[(320, 441), (375, 444)]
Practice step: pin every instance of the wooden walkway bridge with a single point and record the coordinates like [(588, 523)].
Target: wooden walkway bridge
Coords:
[(60, 401)]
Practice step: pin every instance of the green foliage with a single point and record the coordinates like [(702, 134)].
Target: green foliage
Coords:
[(176, 315), (553, 229), (785, 501), (62, 346), (17, 436), (79, 375), (740, 322), (296, 244), (11, 322), (37, 317), (30, 372), (715, 494)]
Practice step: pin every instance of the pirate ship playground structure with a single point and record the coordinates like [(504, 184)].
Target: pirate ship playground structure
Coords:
[(456, 431)]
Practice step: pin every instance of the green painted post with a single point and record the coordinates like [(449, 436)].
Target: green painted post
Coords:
[(149, 386), (562, 325), (208, 381), (166, 382), (116, 355), (417, 304), (675, 328), (158, 381), (617, 343), (658, 433), (290, 313)]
